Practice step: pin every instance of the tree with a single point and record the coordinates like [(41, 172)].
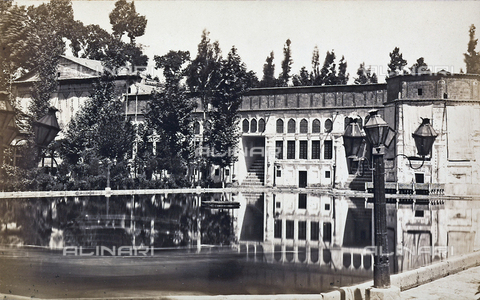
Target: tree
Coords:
[(419, 67), (315, 76), (328, 71), (222, 137), (365, 76), (268, 79), (98, 133), (34, 38), (287, 62), (342, 77), (125, 19), (169, 115), (397, 63), (202, 74), (302, 79), (472, 57)]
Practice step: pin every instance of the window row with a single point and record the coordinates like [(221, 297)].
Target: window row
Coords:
[(259, 126), (292, 126), (303, 150), (253, 126), (301, 230)]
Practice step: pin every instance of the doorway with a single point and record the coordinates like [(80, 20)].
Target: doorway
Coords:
[(302, 179)]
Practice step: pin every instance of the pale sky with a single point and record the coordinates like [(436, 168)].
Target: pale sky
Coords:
[(361, 31)]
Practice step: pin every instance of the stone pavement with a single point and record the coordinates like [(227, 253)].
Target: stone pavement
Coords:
[(462, 285)]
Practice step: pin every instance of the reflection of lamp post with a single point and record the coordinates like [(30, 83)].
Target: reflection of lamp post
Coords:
[(380, 136), (108, 189)]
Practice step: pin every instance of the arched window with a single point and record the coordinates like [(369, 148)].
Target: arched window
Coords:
[(279, 126), (261, 125), (303, 126), (291, 126), (347, 121), (316, 126), (196, 127), (245, 125), (328, 125), (253, 125)]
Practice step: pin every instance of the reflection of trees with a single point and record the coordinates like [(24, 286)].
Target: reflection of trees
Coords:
[(216, 228), (32, 216), (35, 218)]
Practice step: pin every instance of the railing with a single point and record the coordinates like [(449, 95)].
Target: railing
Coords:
[(410, 188), (435, 192), (336, 258), (412, 193)]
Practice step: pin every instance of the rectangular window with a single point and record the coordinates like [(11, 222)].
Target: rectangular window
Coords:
[(327, 232), (314, 231), (278, 229), (328, 149), (303, 150), (419, 213), (302, 230), (291, 150), (327, 174), (279, 149), (302, 201), (279, 172), (419, 178), (315, 149), (289, 226), (420, 92)]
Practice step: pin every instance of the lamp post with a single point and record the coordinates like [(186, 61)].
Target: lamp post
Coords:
[(380, 136)]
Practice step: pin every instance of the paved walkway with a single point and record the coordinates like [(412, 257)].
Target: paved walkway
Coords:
[(462, 285)]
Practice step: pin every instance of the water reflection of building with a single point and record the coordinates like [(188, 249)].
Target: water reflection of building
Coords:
[(336, 232)]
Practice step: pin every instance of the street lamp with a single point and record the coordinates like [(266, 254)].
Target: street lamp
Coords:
[(45, 130), (352, 139), (424, 137), (380, 136)]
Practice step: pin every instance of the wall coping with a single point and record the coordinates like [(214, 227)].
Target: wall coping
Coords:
[(412, 278)]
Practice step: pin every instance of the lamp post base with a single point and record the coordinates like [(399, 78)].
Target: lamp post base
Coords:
[(390, 293)]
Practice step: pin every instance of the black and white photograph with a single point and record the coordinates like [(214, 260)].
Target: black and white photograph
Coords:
[(269, 149)]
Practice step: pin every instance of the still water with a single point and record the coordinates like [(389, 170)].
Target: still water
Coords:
[(272, 244)]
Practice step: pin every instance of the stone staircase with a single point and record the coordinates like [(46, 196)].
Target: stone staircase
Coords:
[(357, 181), (256, 174)]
